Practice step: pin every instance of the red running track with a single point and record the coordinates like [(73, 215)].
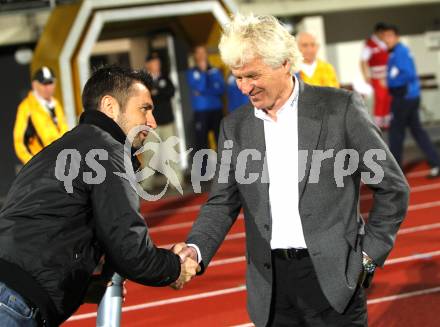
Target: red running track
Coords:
[(405, 293)]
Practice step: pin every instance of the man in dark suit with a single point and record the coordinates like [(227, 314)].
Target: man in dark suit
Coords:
[(297, 156), (162, 92)]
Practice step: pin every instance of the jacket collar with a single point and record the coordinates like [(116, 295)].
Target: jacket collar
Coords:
[(102, 121), (105, 123)]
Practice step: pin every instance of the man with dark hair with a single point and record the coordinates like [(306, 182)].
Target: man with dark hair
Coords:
[(68, 207), (374, 60), (404, 87)]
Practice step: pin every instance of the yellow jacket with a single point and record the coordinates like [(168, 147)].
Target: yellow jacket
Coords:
[(34, 128), (324, 75)]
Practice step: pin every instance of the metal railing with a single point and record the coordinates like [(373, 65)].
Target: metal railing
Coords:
[(110, 307)]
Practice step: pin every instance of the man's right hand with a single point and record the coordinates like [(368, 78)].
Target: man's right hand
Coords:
[(189, 266), (184, 251)]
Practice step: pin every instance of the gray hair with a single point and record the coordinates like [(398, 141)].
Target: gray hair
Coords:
[(247, 37)]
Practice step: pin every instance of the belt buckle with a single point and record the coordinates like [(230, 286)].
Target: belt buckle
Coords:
[(35, 312), (292, 253), (285, 254), (37, 317)]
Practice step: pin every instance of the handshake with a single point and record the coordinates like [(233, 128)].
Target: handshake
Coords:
[(189, 266)]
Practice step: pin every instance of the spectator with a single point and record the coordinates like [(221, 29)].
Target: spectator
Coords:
[(162, 92), (236, 98), (404, 88), (40, 117), (374, 60), (207, 87), (314, 71)]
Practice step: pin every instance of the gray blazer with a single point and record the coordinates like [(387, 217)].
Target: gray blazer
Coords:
[(335, 233)]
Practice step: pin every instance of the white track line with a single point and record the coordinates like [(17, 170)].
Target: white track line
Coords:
[(416, 174), (165, 302), (404, 295), (221, 262), (187, 224), (382, 299), (241, 216), (173, 211), (178, 226), (197, 207), (402, 231), (414, 189), (417, 256), (169, 227), (420, 228), (242, 288), (424, 205), (229, 237), (414, 207)]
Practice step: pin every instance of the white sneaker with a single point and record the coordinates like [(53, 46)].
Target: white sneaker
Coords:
[(434, 172)]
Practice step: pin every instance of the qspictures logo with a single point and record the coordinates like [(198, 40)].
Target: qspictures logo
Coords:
[(207, 165), (164, 154)]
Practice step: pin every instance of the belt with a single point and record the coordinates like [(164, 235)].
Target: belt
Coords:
[(290, 254)]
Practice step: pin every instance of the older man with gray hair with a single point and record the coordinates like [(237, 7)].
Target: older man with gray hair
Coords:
[(308, 249)]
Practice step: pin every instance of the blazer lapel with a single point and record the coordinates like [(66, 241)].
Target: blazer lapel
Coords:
[(254, 138), (310, 115)]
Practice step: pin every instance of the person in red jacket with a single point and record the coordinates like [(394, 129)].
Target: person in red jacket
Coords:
[(374, 60)]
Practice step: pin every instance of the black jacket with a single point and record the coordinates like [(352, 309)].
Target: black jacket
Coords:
[(162, 93), (51, 240)]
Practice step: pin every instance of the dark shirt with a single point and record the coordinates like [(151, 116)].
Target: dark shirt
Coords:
[(162, 92)]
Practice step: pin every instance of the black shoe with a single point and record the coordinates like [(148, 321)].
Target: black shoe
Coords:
[(434, 172)]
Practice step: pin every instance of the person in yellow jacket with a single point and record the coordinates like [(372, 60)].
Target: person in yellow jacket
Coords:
[(314, 71), (40, 118)]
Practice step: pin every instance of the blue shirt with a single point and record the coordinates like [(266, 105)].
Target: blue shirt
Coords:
[(235, 97), (207, 88), (401, 71)]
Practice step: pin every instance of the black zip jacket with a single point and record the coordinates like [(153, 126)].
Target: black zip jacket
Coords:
[(51, 240)]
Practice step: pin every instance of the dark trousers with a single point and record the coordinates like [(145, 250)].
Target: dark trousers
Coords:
[(405, 113), (206, 121), (297, 299)]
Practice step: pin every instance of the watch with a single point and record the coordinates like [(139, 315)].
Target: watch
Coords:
[(369, 265)]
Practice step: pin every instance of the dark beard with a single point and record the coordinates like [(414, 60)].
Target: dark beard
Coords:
[(137, 143)]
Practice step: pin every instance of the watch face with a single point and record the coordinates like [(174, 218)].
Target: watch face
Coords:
[(370, 267)]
